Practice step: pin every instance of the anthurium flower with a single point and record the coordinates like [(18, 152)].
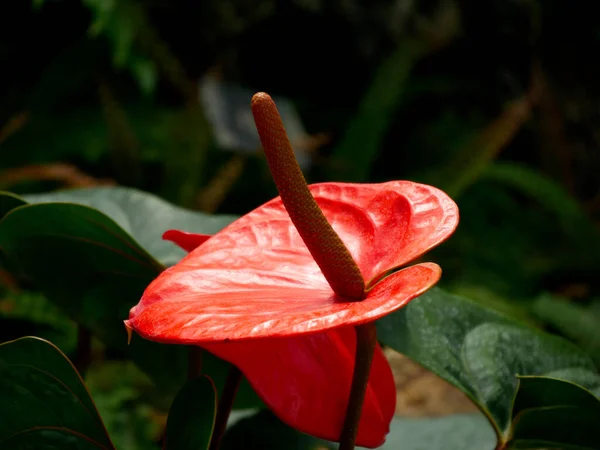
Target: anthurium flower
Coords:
[(254, 295)]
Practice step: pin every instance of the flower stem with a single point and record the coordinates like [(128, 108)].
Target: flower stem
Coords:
[(329, 252), (83, 354), (232, 383), (366, 340), (194, 362)]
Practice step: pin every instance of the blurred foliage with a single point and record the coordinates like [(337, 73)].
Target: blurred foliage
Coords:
[(29, 313), (494, 102), (129, 404)]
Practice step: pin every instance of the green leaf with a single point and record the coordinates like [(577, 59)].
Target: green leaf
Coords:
[(192, 416), (32, 311), (145, 73), (143, 216), (574, 221), (478, 350), (555, 413), (584, 378), (129, 403), (86, 262), (45, 404), (37, 4), (488, 298), (8, 202), (474, 157), (577, 322)]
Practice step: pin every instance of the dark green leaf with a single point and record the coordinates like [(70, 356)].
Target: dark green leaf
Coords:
[(584, 378), (576, 322), (128, 402), (574, 221), (45, 404), (86, 262), (492, 300), (192, 416), (9, 202), (555, 413), (478, 350), (144, 216), (30, 313)]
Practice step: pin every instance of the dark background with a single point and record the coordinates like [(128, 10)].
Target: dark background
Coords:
[(495, 102)]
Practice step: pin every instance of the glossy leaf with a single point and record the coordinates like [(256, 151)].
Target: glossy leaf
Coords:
[(143, 216), (192, 416), (87, 264), (583, 378), (551, 412), (478, 350), (44, 401), (83, 262)]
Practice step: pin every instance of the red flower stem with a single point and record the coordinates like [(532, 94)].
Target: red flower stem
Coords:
[(366, 339), (194, 362), (232, 383), (325, 246)]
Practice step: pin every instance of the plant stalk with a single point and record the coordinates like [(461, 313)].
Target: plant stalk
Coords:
[(194, 362), (232, 383), (83, 354), (366, 340)]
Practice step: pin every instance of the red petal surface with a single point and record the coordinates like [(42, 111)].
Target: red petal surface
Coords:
[(256, 277), (185, 240), (306, 382), (187, 308), (385, 225)]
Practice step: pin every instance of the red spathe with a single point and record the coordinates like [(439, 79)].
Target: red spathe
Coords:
[(253, 295)]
